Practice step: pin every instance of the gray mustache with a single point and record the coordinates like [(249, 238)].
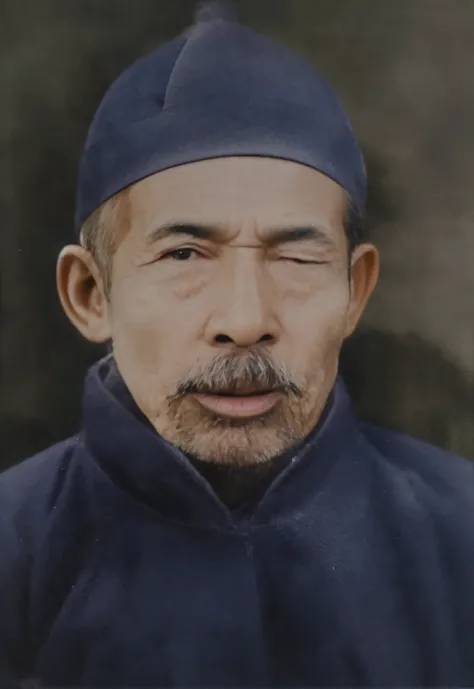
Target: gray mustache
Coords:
[(227, 372)]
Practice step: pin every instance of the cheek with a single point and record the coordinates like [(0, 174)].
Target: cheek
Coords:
[(330, 310), (137, 314), (153, 342), (315, 326), (144, 307), (320, 305)]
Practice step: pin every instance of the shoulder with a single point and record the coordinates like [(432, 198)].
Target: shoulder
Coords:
[(440, 483), (28, 491), (427, 495), (28, 495), (440, 469)]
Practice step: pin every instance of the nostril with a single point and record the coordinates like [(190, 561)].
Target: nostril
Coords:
[(223, 339)]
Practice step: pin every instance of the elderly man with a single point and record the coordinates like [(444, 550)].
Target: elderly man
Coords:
[(222, 519)]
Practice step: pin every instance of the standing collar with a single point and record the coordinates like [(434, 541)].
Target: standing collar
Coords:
[(127, 447)]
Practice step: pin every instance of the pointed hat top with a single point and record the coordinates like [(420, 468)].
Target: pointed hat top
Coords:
[(215, 10)]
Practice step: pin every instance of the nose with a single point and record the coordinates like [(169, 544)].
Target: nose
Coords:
[(244, 313)]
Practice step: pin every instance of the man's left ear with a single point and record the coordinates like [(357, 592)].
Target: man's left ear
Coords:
[(365, 266)]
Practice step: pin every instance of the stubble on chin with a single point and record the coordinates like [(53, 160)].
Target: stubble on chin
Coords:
[(234, 442)]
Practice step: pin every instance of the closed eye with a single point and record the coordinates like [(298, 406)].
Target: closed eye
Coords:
[(302, 261)]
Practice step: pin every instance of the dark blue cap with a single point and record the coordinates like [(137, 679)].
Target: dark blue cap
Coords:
[(218, 90)]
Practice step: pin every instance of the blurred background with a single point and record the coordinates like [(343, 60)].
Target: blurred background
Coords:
[(403, 69)]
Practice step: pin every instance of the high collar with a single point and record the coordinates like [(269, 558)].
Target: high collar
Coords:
[(156, 472)]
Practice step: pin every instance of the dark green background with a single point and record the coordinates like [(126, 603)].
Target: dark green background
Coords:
[(403, 69)]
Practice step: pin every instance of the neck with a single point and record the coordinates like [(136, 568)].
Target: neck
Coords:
[(241, 487)]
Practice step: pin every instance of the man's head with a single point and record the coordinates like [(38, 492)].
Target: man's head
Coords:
[(226, 270), (231, 275)]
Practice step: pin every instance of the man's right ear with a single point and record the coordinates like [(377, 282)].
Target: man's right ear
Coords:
[(81, 293)]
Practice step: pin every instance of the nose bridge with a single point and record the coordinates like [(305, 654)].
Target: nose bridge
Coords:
[(245, 313)]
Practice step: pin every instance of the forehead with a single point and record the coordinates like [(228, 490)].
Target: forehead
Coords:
[(238, 192)]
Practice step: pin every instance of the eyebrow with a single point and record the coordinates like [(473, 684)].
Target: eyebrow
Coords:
[(281, 235)]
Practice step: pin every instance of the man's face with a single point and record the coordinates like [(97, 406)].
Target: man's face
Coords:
[(229, 303)]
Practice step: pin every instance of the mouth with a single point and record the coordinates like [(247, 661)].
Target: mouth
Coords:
[(241, 404)]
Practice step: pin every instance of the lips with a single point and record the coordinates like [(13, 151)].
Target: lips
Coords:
[(247, 403)]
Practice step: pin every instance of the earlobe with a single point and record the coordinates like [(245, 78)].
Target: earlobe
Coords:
[(81, 293), (365, 268)]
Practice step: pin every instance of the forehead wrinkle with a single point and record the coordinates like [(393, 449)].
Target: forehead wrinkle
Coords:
[(187, 228), (294, 233)]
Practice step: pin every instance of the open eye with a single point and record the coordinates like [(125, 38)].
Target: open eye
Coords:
[(184, 254)]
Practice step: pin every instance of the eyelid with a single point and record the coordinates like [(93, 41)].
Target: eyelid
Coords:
[(302, 256), (186, 247), (302, 261)]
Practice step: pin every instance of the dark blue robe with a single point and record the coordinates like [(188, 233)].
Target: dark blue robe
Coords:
[(120, 566)]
